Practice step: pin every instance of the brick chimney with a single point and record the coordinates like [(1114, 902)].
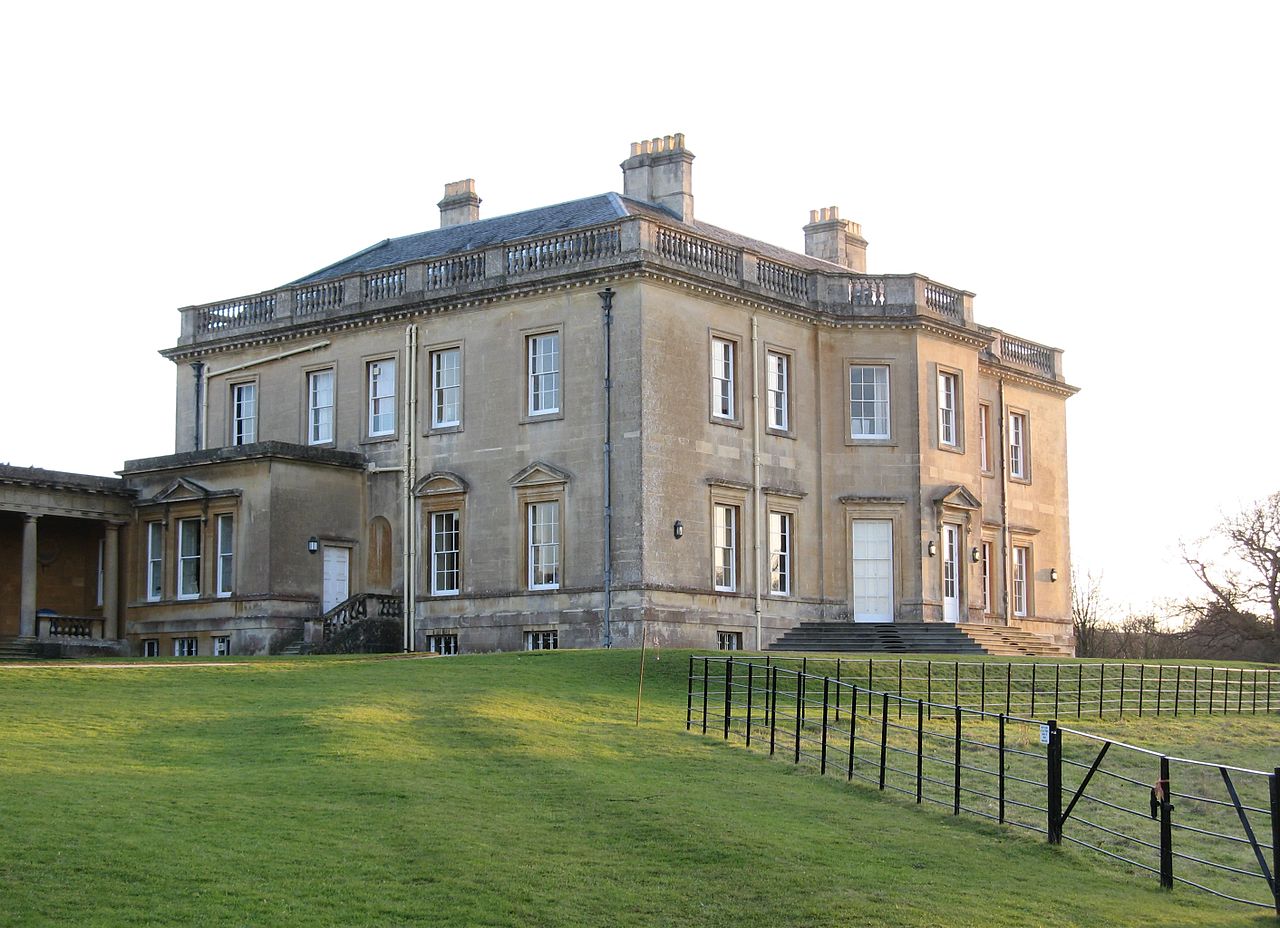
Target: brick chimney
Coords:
[(660, 171), (460, 203), (831, 238)]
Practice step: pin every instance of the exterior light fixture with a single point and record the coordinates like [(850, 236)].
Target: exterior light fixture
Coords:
[(1053, 574), (679, 529), (975, 555), (313, 544), (933, 548)]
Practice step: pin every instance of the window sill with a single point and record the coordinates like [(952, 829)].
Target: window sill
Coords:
[(781, 433), (731, 423), (870, 442), (380, 439), (950, 449), (528, 418), (443, 429)]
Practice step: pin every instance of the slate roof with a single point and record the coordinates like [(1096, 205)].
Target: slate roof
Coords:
[(546, 220)]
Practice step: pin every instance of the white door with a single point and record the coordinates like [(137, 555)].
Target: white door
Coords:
[(950, 572), (337, 577), (872, 570)]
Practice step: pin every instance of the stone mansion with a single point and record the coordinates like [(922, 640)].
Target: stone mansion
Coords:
[(556, 427)]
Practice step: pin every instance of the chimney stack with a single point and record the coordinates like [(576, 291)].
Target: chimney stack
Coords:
[(460, 203), (660, 171), (837, 240)]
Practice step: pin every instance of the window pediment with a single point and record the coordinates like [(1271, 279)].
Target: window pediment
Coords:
[(957, 497), (539, 474), (440, 483), (184, 488)]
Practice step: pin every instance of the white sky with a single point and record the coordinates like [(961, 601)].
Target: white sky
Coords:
[(1102, 175)]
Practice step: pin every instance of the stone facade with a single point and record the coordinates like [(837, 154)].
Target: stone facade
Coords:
[(780, 437)]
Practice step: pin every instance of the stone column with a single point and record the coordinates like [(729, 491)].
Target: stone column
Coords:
[(27, 613), (111, 582)]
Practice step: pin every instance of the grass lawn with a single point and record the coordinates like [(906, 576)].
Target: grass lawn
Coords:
[(509, 789)]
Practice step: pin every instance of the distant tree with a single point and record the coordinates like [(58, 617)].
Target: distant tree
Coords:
[(1087, 607), (1238, 614)]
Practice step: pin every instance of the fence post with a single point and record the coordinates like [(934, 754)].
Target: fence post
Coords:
[(1080, 691), (837, 691), (751, 668), (884, 734), (1142, 686), (799, 714), (1275, 829), (1054, 805), (1102, 685), (1240, 693), (1032, 713), (983, 666), (773, 708), (900, 686), (1270, 675), (704, 695), (870, 670), (919, 752), (1122, 689), (928, 674), (955, 803), (826, 693), (1166, 828), (1057, 681), (853, 731), (728, 695), (1254, 710), (1008, 687), (1159, 687), (1177, 689), (957, 683), (1001, 777), (688, 712)]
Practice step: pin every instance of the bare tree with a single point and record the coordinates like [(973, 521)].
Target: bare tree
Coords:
[(1087, 607), (1239, 614)]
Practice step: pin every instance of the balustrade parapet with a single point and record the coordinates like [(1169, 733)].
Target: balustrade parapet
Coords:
[(628, 239), (1012, 351)]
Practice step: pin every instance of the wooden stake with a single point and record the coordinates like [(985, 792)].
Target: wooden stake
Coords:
[(644, 639)]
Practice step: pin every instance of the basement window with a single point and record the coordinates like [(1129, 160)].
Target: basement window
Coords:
[(442, 644), (729, 641), (151, 647), (221, 645), (186, 647), (541, 641)]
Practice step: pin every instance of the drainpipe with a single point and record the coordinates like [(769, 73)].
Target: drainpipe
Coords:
[(409, 449), (1006, 555), (198, 367), (606, 304), (755, 467)]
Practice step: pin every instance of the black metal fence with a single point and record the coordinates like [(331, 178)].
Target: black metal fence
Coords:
[(1211, 826), (1075, 690)]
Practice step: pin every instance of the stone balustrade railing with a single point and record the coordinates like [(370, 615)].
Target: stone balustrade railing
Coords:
[(70, 626), (1018, 352), (836, 291)]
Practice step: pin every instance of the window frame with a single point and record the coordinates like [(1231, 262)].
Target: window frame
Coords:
[(531, 341), (984, 438), (309, 424), (153, 579), (433, 516), (727, 640), (717, 395), (786, 556), (435, 353), (880, 438), (988, 576), (949, 409), (186, 646), (532, 508), (220, 646), (150, 647), (443, 643), (224, 554), (1020, 581), (786, 426), (731, 524), (236, 435), (371, 399), (183, 559), (1022, 473)]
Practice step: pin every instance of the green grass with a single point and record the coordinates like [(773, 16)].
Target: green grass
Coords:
[(508, 789)]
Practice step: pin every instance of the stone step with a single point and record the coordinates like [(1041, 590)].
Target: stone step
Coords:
[(17, 649), (923, 637)]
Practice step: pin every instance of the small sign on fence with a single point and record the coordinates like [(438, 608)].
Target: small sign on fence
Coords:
[(1044, 734)]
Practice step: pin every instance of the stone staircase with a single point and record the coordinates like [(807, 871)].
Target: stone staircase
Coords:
[(1010, 641), (18, 649), (914, 638)]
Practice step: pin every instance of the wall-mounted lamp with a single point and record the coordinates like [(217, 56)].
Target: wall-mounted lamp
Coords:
[(1053, 574), (313, 544), (678, 528), (975, 555), (933, 548)]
